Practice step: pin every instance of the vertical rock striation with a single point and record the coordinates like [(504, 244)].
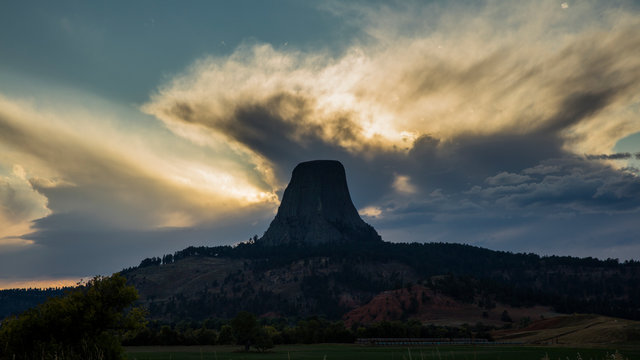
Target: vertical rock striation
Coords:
[(316, 208)]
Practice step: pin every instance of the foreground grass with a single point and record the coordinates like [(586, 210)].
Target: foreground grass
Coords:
[(347, 351)]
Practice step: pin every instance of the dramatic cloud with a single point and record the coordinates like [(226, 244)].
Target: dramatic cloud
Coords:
[(574, 187), (542, 73), (83, 166), (569, 206), (481, 114), (464, 96), (482, 110), (82, 188), (491, 123)]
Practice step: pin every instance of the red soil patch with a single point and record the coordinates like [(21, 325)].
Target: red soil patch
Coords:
[(415, 302), (427, 306)]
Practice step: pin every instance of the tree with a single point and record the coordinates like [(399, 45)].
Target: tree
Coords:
[(204, 336), (263, 340), (226, 335), (245, 329), (83, 324), (505, 317), (248, 332)]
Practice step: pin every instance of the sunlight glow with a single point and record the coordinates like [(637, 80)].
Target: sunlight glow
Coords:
[(39, 283)]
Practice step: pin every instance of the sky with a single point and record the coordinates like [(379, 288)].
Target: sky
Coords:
[(135, 129)]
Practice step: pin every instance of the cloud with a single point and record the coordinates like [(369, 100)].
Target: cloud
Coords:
[(370, 211), (20, 205), (91, 183), (505, 178), (485, 110), (569, 186), (567, 205), (402, 184), (617, 156), (117, 177), (554, 75), (79, 245)]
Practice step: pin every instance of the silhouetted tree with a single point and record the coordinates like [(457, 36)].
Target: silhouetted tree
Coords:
[(505, 317), (245, 329), (226, 335), (83, 324)]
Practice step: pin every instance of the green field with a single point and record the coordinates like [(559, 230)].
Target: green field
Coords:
[(342, 351)]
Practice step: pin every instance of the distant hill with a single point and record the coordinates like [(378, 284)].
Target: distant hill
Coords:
[(335, 280)]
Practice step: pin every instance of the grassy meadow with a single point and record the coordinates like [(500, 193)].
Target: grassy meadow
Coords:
[(347, 351)]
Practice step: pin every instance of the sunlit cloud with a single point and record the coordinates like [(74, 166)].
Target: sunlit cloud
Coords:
[(371, 212), (403, 185), (88, 165), (40, 283), (492, 108), (517, 69), (20, 205)]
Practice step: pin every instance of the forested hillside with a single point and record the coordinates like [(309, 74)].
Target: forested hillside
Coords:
[(329, 280)]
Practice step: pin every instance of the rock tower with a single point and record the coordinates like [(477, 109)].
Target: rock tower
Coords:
[(316, 208)]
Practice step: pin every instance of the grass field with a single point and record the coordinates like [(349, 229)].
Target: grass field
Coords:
[(346, 351)]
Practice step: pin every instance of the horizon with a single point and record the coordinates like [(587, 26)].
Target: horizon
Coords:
[(129, 130)]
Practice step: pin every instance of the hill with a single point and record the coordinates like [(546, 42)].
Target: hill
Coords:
[(336, 280)]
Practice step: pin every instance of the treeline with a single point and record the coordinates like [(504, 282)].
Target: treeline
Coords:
[(312, 330), (613, 296), (428, 258)]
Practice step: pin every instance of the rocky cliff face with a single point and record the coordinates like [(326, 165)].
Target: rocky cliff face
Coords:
[(316, 208)]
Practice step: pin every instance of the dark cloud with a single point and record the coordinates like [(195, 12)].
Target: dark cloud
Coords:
[(566, 205), (505, 178), (617, 156), (576, 186), (577, 106), (278, 130), (468, 160)]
